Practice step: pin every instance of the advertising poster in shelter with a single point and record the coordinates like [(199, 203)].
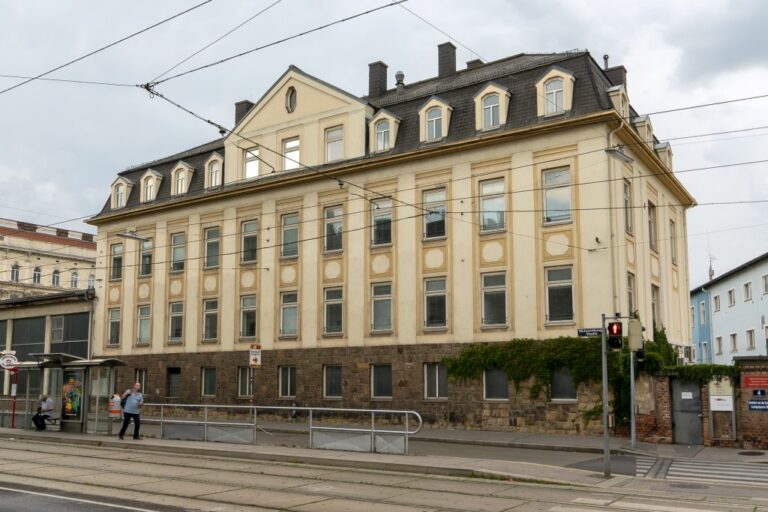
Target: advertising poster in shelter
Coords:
[(72, 395)]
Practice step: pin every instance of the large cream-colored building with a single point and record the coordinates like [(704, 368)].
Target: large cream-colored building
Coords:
[(360, 240)]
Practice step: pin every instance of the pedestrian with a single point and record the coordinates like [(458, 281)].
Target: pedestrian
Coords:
[(133, 400), (44, 411)]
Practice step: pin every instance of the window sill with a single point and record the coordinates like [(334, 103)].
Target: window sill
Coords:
[(442, 238), (209, 341), (554, 223), (492, 231), (286, 398), (333, 335), (564, 401), (381, 246), (381, 399), (291, 257), (333, 252), (246, 339), (141, 345), (435, 399), (176, 271), (382, 333), (248, 263), (494, 327), (145, 276), (288, 337), (553, 114), (209, 269), (442, 328), (111, 280), (112, 346), (496, 400), (333, 398), (559, 323), (172, 343)]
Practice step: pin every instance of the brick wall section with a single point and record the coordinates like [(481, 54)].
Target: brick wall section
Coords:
[(722, 423), (656, 426), (752, 426), (464, 407)]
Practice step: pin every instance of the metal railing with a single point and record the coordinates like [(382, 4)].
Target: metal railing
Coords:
[(24, 411), (366, 434)]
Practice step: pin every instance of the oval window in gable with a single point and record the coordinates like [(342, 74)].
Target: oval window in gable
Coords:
[(290, 99)]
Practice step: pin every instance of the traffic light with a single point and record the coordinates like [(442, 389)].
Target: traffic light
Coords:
[(614, 335)]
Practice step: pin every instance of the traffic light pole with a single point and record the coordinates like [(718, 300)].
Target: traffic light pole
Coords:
[(606, 437), (633, 425)]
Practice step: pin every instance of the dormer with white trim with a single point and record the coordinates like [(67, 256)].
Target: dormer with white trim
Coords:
[(619, 99), (382, 132), (644, 129), (491, 107), (434, 120), (214, 171), (554, 92), (664, 150), (181, 177), (150, 184), (121, 190)]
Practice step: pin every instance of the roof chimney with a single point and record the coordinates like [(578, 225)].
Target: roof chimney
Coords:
[(242, 108), (474, 63), (446, 59), (617, 75), (377, 79), (605, 61), (400, 84)]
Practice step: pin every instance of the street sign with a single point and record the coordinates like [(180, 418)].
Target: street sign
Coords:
[(758, 405), (721, 403), (590, 332), (254, 356), (8, 360), (758, 392), (755, 381)]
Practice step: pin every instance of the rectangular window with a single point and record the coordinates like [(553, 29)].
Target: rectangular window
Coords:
[(434, 213), (655, 307), (210, 319), (764, 279), (252, 163), (496, 386), (716, 303), (212, 247), (334, 311), (173, 382), (747, 292), (731, 297), (653, 235), (57, 329), (178, 251), (703, 313), (435, 303), (719, 345), (492, 205), (145, 325), (250, 241), (562, 386), (244, 384), (435, 381), (628, 211), (673, 242), (208, 380), (176, 321), (631, 301), (291, 154), (116, 266), (287, 381), (140, 377), (73, 335), (381, 222), (750, 339), (494, 299), (248, 316), (114, 327), (334, 143), (557, 195), (332, 387), (381, 297), (734, 342), (381, 381), (145, 266), (559, 294), (334, 226), (290, 233), (289, 314)]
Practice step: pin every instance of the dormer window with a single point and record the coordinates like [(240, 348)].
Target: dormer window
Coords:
[(434, 124), (119, 196), (149, 189), (434, 120), (382, 131), (553, 92), (180, 182), (181, 177), (214, 174), (491, 106), (491, 112), (382, 135)]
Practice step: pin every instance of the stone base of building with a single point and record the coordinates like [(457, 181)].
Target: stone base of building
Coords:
[(464, 406)]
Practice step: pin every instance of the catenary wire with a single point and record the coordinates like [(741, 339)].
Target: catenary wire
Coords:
[(68, 80), (471, 51)]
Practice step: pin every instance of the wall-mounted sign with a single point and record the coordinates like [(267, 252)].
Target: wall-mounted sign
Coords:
[(8, 360), (72, 395), (721, 403), (758, 405), (755, 381), (590, 332), (758, 392), (722, 387), (686, 395), (254, 356)]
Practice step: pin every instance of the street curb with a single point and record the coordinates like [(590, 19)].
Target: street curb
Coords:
[(295, 459)]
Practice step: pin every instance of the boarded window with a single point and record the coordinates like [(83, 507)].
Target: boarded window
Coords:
[(562, 385)]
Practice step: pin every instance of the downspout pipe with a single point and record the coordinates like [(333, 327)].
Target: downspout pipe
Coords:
[(612, 218)]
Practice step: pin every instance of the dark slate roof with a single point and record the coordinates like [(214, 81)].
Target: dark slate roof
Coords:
[(733, 271), (48, 298)]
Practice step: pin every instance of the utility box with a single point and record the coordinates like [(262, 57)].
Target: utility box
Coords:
[(635, 335)]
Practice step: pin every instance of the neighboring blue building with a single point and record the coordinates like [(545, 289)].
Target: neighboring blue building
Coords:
[(701, 322)]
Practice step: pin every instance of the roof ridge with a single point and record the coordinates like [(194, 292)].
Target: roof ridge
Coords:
[(175, 156)]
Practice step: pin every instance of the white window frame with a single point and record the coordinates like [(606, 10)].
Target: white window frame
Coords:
[(560, 283), (554, 99), (325, 382), (731, 297), (381, 297), (656, 307), (57, 329), (382, 135), (491, 111), (492, 196), (437, 367), (248, 305), (113, 318), (703, 313), (119, 196), (653, 228), (380, 208), (716, 303), (747, 290), (146, 247), (143, 318), (140, 377), (214, 174), (291, 391), (373, 382), (631, 296), (175, 311), (673, 241), (149, 189), (244, 377), (210, 309), (434, 201), (15, 273), (178, 247), (285, 306), (764, 280), (180, 182), (435, 293), (734, 339), (751, 342), (285, 227), (291, 153), (493, 289), (629, 220), (719, 345), (559, 217), (203, 374), (116, 262), (74, 280), (212, 245), (333, 217), (434, 124), (334, 142), (251, 163), (56, 278), (36, 275), (249, 229), (332, 302)]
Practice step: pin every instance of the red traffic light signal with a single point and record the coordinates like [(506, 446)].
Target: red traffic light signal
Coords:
[(614, 335)]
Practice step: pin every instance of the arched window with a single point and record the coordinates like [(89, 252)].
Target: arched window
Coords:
[(149, 189), (214, 175), (15, 273), (36, 275), (553, 96), (181, 181), (491, 111), (119, 196), (91, 281), (382, 135), (56, 278), (434, 124), (73, 280)]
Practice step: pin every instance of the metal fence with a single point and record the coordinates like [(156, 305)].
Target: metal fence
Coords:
[(25, 409)]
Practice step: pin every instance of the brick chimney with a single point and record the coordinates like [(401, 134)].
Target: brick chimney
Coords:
[(242, 108), (377, 79), (474, 63), (617, 75), (446, 60)]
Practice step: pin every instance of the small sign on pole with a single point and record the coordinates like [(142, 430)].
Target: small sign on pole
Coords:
[(590, 332), (8, 360), (254, 357)]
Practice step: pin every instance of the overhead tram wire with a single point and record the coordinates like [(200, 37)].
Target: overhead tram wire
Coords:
[(449, 36), (69, 80), (110, 45)]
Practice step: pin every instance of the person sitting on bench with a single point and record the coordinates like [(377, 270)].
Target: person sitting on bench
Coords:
[(43, 412)]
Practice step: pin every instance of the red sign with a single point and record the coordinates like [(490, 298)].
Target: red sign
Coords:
[(755, 381)]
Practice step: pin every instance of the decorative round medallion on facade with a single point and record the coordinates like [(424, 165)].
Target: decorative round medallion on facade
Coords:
[(144, 291), (332, 270), (114, 294), (288, 275), (380, 263), (434, 258), (247, 279), (492, 252), (210, 283), (557, 245), (176, 287)]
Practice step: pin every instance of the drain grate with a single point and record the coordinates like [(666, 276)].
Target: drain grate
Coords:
[(751, 453)]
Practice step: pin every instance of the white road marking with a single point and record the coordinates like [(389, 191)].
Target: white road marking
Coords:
[(78, 500)]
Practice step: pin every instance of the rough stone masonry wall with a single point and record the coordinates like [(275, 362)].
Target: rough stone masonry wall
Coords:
[(464, 407)]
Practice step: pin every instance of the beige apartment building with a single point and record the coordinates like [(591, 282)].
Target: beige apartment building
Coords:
[(360, 240)]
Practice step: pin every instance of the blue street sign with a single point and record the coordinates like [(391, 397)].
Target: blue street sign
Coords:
[(758, 405), (758, 392), (590, 332)]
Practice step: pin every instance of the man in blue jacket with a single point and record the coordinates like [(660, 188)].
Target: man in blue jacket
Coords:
[(134, 399)]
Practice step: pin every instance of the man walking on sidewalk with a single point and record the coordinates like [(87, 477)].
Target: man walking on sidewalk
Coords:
[(134, 399)]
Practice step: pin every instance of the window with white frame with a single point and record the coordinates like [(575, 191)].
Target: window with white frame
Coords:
[(381, 222), (119, 196), (334, 310), (291, 154), (249, 241), (750, 339), (494, 299), (145, 258), (628, 210), (73, 280), (334, 144), (57, 329), (381, 307), (673, 242), (332, 383), (434, 124), (289, 314), (287, 375), (553, 96), (37, 275), (435, 303), (631, 300), (248, 316), (719, 345), (178, 251), (210, 319), (334, 227), (747, 291), (56, 278), (491, 111), (435, 381), (244, 381), (492, 205), (557, 195), (716, 303), (181, 182), (212, 245), (116, 266), (703, 313), (251, 163), (208, 381), (144, 325), (655, 307), (149, 189), (140, 377), (290, 235), (559, 294), (114, 327), (15, 273), (734, 342), (495, 384), (693, 315), (653, 234), (382, 135), (214, 174), (434, 213), (731, 297), (175, 322), (381, 381), (764, 280)]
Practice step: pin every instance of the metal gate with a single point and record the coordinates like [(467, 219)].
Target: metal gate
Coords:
[(686, 413)]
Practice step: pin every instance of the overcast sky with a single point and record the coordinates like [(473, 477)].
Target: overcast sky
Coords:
[(62, 144)]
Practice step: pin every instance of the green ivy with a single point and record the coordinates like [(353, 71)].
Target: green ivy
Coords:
[(703, 373)]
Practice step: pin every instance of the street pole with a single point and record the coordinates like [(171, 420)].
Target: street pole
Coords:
[(14, 387), (632, 397), (606, 438)]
